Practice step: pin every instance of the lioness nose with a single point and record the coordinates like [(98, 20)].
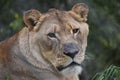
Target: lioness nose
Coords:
[(70, 49)]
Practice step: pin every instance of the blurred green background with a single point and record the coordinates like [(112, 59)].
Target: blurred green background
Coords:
[(104, 21)]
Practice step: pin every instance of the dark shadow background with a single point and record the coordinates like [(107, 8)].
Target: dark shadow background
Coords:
[(104, 21)]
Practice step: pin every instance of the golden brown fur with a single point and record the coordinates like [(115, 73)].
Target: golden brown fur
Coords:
[(50, 47)]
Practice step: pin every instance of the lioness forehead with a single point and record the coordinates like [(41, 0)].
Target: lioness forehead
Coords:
[(62, 17), (62, 20)]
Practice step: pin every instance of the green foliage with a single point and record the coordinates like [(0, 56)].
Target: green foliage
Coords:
[(8, 77), (17, 22), (111, 73)]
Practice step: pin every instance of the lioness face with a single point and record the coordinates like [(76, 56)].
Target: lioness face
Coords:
[(60, 37)]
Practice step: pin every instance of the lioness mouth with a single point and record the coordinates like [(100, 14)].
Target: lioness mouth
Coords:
[(60, 68)]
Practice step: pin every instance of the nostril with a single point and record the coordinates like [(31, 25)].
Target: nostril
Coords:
[(71, 54)]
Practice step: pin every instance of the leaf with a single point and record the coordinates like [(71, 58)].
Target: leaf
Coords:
[(111, 73)]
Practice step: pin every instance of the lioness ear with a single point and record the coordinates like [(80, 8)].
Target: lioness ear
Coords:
[(31, 18), (80, 11)]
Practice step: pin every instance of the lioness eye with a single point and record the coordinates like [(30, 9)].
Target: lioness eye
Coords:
[(75, 30), (52, 35)]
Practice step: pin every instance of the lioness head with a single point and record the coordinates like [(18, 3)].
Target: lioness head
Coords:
[(60, 37)]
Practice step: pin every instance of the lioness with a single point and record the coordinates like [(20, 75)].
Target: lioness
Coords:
[(51, 46)]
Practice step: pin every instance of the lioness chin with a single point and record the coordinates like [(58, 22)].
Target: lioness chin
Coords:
[(51, 46)]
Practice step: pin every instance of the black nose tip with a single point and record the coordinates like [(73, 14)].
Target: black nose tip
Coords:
[(70, 49), (72, 55)]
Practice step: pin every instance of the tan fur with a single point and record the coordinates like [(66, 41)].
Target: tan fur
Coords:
[(32, 54)]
